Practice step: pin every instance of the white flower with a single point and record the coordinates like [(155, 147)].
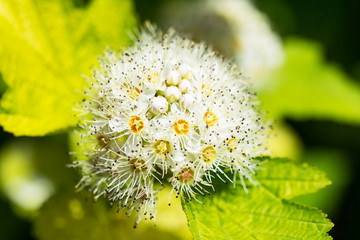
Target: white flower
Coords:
[(187, 181), (174, 78), (145, 122), (172, 94), (209, 160), (161, 151), (188, 100), (179, 126), (159, 105), (185, 86), (185, 71)]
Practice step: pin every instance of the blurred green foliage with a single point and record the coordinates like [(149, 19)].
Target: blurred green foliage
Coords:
[(75, 216), (306, 87)]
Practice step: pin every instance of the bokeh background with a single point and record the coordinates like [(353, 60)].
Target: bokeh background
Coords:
[(37, 199)]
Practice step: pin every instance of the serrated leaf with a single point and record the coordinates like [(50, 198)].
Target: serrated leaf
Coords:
[(287, 179), (307, 87), (260, 214), (45, 48)]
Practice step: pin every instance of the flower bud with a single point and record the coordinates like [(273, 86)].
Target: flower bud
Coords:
[(159, 105), (185, 86), (174, 78), (172, 94), (185, 71), (187, 100)]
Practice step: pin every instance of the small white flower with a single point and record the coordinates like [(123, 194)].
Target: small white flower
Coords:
[(185, 71), (187, 181), (145, 123), (174, 78), (183, 129), (172, 94), (187, 100), (159, 105), (161, 152), (185, 86)]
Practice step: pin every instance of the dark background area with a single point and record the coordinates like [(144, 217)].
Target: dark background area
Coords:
[(333, 23)]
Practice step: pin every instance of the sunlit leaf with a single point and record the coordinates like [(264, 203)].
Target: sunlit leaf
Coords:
[(45, 48), (262, 213), (287, 179)]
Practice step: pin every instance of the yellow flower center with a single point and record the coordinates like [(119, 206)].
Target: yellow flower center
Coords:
[(206, 90), (134, 93), (136, 124), (138, 165), (208, 154), (153, 78), (162, 147), (232, 144), (210, 118), (181, 127)]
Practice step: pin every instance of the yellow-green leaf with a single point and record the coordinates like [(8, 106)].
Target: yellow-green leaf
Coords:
[(262, 213), (45, 48), (287, 179)]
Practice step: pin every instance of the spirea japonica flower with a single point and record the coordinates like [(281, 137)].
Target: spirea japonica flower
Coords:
[(166, 110)]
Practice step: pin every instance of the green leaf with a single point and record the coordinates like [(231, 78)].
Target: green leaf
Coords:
[(45, 48), (286, 179), (307, 87), (262, 213)]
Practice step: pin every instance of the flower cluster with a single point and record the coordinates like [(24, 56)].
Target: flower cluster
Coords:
[(167, 109)]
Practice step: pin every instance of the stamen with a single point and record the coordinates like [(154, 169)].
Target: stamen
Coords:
[(232, 144), (210, 118), (181, 127), (208, 154), (136, 124), (103, 141), (162, 147), (134, 93), (138, 165), (153, 78), (186, 175)]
